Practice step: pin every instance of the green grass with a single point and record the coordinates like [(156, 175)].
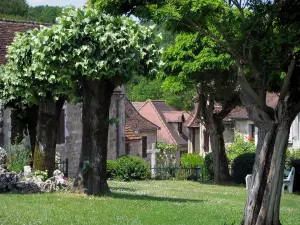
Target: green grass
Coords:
[(147, 202)]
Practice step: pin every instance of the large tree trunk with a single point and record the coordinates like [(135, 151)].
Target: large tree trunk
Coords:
[(95, 119), (263, 200), (221, 170), (47, 125)]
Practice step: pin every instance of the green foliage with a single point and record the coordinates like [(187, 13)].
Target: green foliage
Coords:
[(128, 168), (191, 160), (293, 153), (46, 14), (239, 146), (208, 169), (111, 167), (18, 156), (83, 44), (241, 166), (141, 89), (14, 7), (43, 175), (167, 154)]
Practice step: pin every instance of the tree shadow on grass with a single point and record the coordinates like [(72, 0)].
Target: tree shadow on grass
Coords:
[(122, 189), (153, 198)]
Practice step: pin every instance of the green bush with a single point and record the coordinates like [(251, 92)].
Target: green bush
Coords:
[(18, 156), (293, 153), (129, 168), (241, 166), (239, 147), (191, 160), (208, 170), (110, 167), (43, 175)]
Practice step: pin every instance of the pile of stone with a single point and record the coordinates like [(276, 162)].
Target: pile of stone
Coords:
[(26, 183)]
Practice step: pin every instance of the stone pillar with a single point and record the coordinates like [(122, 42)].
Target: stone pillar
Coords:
[(152, 153)]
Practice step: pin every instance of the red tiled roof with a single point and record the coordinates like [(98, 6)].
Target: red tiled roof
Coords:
[(8, 28), (137, 105), (130, 135), (160, 108), (174, 116), (193, 120), (241, 113), (135, 120)]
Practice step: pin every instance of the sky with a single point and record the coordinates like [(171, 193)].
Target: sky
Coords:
[(76, 3)]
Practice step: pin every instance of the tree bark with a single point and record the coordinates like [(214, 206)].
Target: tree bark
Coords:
[(221, 170), (263, 200), (95, 119), (47, 125)]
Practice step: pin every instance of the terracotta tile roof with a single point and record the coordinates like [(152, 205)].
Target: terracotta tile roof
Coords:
[(137, 105), (161, 107), (8, 28), (241, 113), (192, 120), (130, 135), (174, 116), (135, 120)]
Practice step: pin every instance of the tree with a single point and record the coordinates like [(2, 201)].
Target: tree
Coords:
[(14, 7), (46, 14), (40, 96), (262, 39), (197, 62), (96, 53)]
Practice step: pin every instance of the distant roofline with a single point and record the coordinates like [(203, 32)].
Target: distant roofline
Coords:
[(25, 22)]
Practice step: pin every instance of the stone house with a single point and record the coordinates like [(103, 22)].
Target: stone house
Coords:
[(236, 122), (170, 122)]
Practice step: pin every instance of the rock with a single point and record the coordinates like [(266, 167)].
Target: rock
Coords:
[(8, 181), (3, 156), (25, 187)]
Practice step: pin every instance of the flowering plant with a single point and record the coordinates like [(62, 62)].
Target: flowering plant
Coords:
[(18, 156)]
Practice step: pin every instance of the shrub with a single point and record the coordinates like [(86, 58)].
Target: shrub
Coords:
[(295, 162), (38, 161), (240, 146), (43, 175), (191, 160), (18, 157), (241, 166), (111, 167), (129, 168), (208, 167), (293, 153)]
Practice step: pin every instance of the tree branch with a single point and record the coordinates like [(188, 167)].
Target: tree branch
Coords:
[(238, 5), (287, 79), (229, 105)]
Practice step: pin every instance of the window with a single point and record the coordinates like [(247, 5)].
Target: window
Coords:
[(144, 146), (60, 138), (180, 128)]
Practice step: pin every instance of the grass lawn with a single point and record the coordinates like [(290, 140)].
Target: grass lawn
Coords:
[(146, 202)]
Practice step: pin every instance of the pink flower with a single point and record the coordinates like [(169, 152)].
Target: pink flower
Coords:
[(65, 178)]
